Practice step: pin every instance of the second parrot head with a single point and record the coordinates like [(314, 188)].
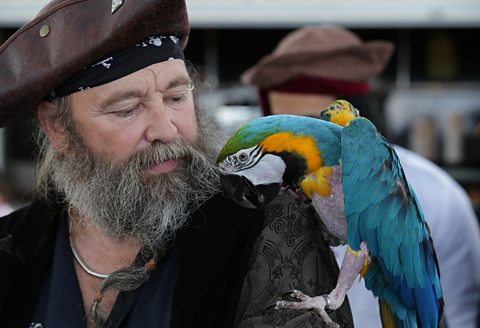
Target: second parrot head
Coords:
[(339, 112)]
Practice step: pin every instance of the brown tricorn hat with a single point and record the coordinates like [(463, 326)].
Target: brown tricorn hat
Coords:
[(322, 52), (67, 35)]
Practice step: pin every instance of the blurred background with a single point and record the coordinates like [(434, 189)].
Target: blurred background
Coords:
[(429, 93)]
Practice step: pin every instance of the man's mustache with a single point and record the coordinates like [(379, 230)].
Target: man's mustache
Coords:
[(159, 152)]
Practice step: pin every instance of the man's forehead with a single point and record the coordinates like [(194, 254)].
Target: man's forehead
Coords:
[(162, 72), (160, 76), (166, 72)]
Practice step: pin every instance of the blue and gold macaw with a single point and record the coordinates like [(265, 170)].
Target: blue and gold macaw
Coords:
[(357, 185)]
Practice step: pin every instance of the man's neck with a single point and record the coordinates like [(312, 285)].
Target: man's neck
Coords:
[(100, 253)]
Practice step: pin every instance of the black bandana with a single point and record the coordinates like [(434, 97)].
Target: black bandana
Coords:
[(119, 63)]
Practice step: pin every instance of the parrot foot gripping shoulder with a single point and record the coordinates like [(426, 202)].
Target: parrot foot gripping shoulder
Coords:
[(319, 304), (351, 266)]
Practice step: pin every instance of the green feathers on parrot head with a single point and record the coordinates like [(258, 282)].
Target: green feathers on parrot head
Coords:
[(247, 136)]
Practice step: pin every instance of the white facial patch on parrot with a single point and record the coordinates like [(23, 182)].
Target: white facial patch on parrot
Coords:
[(269, 169), (257, 167)]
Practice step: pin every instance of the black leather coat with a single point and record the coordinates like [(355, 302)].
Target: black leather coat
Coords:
[(218, 249)]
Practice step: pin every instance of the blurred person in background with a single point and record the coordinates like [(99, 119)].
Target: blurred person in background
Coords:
[(5, 202), (130, 227), (313, 66)]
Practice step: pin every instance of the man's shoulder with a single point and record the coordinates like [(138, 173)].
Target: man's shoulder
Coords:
[(430, 181), (421, 168), (290, 253), (220, 208), (26, 226), (23, 217), (286, 203)]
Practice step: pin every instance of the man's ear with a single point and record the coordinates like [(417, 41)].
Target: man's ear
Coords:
[(52, 127)]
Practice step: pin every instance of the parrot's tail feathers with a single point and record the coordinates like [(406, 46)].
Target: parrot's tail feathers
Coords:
[(388, 320)]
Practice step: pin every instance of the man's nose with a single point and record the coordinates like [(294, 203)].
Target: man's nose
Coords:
[(161, 126)]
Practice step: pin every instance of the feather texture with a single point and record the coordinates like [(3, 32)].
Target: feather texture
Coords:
[(382, 210), (359, 189)]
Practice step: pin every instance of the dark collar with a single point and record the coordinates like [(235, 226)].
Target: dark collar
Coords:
[(26, 243)]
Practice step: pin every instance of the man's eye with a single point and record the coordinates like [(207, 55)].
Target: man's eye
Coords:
[(125, 112), (179, 97), (176, 100)]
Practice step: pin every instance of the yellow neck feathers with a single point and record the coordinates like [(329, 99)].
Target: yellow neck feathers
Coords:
[(305, 146), (341, 118)]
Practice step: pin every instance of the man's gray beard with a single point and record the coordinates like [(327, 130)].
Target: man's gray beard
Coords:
[(123, 202)]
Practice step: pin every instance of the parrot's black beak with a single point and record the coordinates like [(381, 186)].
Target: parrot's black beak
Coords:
[(245, 193)]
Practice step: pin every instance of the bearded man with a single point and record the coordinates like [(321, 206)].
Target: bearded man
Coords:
[(130, 228)]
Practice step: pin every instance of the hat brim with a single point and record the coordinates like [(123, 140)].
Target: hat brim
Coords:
[(356, 63), (67, 36)]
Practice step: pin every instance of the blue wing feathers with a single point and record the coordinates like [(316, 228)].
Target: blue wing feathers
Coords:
[(353, 235), (383, 211)]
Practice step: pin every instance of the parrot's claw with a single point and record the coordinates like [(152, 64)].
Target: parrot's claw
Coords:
[(291, 293), (319, 304)]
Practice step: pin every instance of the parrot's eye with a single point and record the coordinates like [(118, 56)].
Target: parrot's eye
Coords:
[(243, 157)]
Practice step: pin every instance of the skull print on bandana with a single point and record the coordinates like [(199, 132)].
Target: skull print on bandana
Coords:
[(122, 62)]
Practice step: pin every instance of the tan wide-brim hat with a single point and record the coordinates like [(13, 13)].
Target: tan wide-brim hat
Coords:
[(66, 36), (323, 52)]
